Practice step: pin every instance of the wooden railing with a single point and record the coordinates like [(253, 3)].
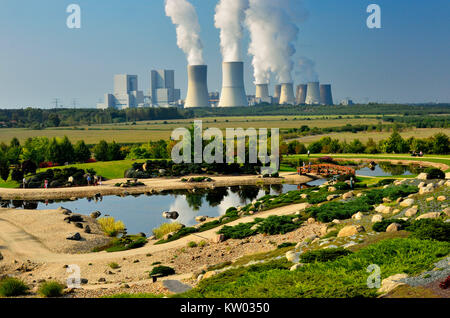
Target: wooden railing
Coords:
[(325, 170)]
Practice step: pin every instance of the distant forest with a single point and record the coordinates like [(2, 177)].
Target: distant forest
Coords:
[(416, 115)]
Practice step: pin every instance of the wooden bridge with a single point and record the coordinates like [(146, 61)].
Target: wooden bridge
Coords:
[(325, 170)]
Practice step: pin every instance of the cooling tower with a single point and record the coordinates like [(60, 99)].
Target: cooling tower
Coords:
[(287, 94), (262, 93), (301, 94), (326, 98), (313, 94), (233, 91), (277, 93), (197, 94)]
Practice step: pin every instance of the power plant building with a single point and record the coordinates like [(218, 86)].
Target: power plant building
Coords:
[(233, 90), (262, 94), (197, 94), (326, 97), (313, 94), (287, 94), (301, 94), (126, 93), (163, 91)]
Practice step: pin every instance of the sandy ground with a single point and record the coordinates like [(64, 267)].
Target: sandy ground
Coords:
[(34, 248), (151, 186)]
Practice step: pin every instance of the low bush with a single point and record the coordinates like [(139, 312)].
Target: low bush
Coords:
[(192, 244), (51, 289), (162, 270), (430, 229), (239, 231), (124, 243), (114, 265), (110, 226), (435, 173), (12, 287), (324, 255), (383, 225), (286, 244), (167, 228), (274, 225)]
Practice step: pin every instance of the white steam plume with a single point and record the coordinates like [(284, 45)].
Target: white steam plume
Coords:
[(185, 17), (307, 70), (273, 33), (229, 18)]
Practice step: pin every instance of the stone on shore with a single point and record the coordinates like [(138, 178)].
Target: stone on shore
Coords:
[(430, 215), (407, 203), (96, 214), (393, 227), (391, 283), (412, 211), (74, 237), (351, 230), (377, 218), (422, 176)]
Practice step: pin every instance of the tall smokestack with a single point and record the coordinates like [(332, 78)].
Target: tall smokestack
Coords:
[(197, 94), (301, 94), (233, 91), (287, 94), (326, 98), (313, 94), (262, 93)]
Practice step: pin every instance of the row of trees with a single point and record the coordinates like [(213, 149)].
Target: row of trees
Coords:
[(438, 144)]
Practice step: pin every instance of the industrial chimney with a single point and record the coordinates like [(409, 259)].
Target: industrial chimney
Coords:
[(301, 94), (197, 94), (326, 98), (262, 93), (233, 91), (287, 94), (313, 94)]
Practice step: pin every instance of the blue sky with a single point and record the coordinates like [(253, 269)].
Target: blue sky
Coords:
[(40, 58)]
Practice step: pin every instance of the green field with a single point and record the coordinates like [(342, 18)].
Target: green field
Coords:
[(146, 131)]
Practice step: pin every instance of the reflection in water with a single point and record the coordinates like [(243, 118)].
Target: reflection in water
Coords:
[(386, 169), (143, 213)]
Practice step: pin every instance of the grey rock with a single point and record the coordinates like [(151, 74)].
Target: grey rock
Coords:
[(74, 237), (176, 286), (87, 229)]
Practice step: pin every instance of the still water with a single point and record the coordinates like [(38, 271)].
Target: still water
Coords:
[(144, 213)]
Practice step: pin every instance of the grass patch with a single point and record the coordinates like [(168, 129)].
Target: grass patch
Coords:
[(166, 228), (51, 289), (12, 287), (110, 226), (344, 277)]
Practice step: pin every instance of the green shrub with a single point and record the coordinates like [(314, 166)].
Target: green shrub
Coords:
[(51, 289), (162, 270), (342, 186), (286, 244), (11, 287), (110, 226), (114, 265), (239, 231), (383, 225), (167, 228), (192, 244), (435, 173), (125, 243), (430, 229), (274, 225), (324, 255)]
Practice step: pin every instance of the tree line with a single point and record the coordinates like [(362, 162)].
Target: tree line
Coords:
[(437, 144), (43, 118)]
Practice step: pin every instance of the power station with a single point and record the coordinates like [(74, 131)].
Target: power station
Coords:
[(233, 90), (262, 93), (197, 94), (301, 94), (326, 98), (313, 94), (287, 94)]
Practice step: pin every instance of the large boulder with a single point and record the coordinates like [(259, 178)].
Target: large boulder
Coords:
[(347, 195), (393, 227), (430, 215), (357, 216), (384, 209), (74, 218), (171, 215), (391, 283), (74, 237), (412, 211), (351, 230), (441, 198), (446, 211), (407, 203), (377, 218), (423, 176)]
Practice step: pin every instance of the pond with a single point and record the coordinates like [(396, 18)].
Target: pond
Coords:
[(144, 212), (387, 169)]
